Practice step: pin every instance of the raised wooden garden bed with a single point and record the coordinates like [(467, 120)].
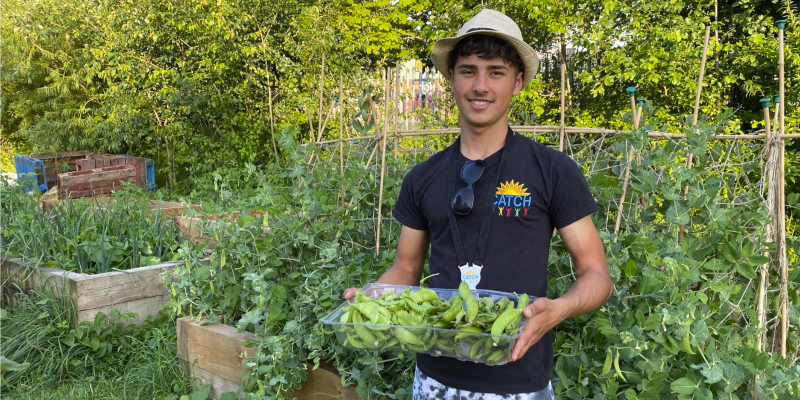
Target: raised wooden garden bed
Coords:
[(167, 208), (210, 354), (97, 181), (139, 290), (192, 227), (101, 160)]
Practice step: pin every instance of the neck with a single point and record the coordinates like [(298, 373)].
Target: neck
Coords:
[(477, 143)]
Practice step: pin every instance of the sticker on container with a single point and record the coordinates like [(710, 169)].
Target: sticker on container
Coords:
[(471, 274)]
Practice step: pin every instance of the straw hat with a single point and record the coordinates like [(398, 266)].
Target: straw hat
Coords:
[(491, 23)]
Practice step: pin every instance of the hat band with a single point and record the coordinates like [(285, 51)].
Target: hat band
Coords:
[(481, 29)]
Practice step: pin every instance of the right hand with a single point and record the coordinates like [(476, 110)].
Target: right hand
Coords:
[(349, 293)]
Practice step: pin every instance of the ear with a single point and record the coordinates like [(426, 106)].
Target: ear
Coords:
[(518, 82)]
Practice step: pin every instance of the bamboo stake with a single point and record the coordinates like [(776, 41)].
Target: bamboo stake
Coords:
[(762, 291), (383, 159), (271, 119), (341, 135), (696, 113), (782, 261), (395, 109), (321, 92), (563, 101), (341, 125), (776, 124), (631, 91)]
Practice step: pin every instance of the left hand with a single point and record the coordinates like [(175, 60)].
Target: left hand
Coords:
[(543, 314)]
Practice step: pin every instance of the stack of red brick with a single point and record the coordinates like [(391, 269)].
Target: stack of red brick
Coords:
[(100, 174)]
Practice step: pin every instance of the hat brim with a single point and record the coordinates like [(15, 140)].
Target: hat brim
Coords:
[(443, 47)]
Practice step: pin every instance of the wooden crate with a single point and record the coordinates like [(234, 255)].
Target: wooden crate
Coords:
[(210, 354), (94, 182), (100, 160), (140, 290), (192, 227), (53, 162)]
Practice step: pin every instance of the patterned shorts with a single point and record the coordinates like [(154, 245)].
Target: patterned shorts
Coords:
[(426, 388)]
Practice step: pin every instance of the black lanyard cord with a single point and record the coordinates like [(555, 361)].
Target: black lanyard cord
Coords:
[(483, 238)]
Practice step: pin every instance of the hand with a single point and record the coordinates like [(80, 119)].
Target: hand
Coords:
[(349, 293), (543, 314)]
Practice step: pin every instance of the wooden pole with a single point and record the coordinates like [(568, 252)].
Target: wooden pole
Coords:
[(776, 123), (696, 113), (341, 135), (341, 125), (563, 102), (271, 119), (383, 159), (321, 92), (761, 310), (762, 291), (781, 242), (629, 161), (395, 108)]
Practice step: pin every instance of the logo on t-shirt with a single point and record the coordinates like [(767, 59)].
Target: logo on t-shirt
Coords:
[(512, 200)]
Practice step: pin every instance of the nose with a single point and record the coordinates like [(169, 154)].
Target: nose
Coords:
[(479, 83)]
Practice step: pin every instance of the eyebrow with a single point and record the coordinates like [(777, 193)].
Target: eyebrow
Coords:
[(490, 67)]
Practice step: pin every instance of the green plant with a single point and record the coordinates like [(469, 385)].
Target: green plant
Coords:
[(38, 330), (87, 236)]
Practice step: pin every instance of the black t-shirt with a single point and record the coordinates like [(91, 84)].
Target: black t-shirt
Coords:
[(539, 189)]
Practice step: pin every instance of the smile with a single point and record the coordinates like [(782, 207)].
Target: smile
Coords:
[(478, 104)]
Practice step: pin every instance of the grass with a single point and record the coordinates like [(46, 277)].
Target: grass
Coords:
[(96, 360), (99, 390)]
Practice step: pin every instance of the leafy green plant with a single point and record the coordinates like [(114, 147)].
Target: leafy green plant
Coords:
[(682, 311), (87, 236), (39, 331)]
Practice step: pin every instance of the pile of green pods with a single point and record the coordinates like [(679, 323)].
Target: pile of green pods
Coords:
[(466, 327)]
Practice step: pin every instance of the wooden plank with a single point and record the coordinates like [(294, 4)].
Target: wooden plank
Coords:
[(324, 383), (210, 355), (140, 290), (27, 275), (200, 378), (143, 308), (97, 174), (62, 154), (106, 183), (214, 347), (110, 288)]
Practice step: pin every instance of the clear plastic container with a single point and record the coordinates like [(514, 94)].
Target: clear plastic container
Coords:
[(478, 347)]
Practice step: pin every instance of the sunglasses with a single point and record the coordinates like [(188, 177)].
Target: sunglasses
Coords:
[(464, 198)]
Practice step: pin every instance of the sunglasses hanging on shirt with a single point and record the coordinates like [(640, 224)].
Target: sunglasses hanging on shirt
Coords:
[(464, 199)]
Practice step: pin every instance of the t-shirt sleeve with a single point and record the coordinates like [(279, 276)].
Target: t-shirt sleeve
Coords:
[(407, 210), (571, 199)]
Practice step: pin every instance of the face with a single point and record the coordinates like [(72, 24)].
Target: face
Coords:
[(483, 89)]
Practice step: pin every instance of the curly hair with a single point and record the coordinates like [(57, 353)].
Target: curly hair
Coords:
[(486, 47)]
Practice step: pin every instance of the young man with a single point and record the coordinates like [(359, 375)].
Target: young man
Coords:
[(487, 207)]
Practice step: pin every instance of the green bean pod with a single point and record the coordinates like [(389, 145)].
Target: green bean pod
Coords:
[(470, 303), (456, 305), (503, 320), (496, 356)]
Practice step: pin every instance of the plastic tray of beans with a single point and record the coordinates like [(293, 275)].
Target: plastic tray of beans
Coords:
[(480, 325)]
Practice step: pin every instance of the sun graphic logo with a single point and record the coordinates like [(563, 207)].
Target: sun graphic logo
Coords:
[(513, 189), (512, 200)]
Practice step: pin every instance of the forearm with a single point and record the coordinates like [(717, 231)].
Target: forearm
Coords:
[(591, 290), (400, 275)]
